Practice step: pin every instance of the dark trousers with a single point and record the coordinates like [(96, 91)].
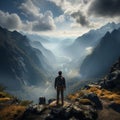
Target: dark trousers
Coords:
[(60, 91)]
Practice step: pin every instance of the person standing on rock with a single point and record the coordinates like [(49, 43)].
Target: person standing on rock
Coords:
[(60, 86)]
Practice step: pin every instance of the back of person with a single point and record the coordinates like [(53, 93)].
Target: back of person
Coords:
[(60, 82)]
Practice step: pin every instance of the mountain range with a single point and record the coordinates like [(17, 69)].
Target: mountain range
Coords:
[(20, 63), (89, 39)]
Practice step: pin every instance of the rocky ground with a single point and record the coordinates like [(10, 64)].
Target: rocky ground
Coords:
[(70, 111)]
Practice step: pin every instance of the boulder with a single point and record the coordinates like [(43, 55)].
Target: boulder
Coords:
[(95, 99)]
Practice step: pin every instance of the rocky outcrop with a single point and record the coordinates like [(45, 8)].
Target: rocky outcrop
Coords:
[(95, 99), (112, 79), (70, 111)]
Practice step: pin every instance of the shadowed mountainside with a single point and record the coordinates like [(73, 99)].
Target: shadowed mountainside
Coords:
[(47, 53), (103, 56), (19, 62)]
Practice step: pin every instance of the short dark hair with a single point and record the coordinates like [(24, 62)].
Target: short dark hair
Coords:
[(60, 72)]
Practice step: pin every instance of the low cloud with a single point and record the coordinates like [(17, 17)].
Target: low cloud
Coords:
[(36, 21), (10, 21), (80, 18), (105, 7), (89, 50), (44, 23), (73, 9), (39, 21), (60, 19), (30, 9)]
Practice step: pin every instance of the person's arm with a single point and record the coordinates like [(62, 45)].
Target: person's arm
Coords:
[(55, 83), (64, 84)]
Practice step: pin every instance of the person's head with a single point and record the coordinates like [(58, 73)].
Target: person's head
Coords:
[(60, 73)]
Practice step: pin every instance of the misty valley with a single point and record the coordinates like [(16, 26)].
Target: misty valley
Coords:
[(29, 63)]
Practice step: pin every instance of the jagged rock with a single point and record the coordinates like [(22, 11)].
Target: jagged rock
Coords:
[(111, 80), (94, 98), (69, 111), (114, 75)]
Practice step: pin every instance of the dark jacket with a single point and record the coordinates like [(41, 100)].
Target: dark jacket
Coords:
[(60, 82)]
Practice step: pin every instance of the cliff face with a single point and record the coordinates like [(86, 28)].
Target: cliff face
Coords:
[(103, 56), (19, 62)]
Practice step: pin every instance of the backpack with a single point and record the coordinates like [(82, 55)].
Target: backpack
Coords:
[(42, 100)]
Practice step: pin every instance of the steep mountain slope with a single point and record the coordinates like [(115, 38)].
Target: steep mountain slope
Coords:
[(90, 39), (103, 56), (47, 53), (19, 62)]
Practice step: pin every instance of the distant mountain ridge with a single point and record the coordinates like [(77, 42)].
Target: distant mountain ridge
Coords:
[(39, 38), (19, 62), (103, 56), (47, 53), (90, 39)]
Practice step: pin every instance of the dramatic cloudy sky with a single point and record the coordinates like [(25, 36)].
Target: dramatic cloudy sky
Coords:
[(57, 17)]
